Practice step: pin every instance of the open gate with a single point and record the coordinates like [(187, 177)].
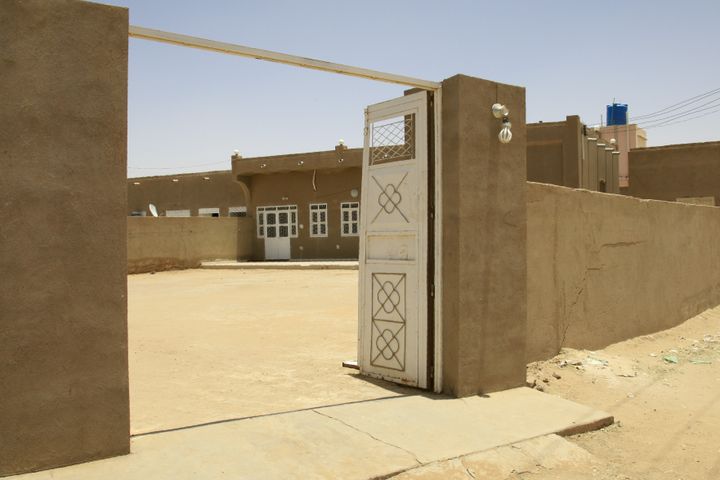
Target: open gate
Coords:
[(395, 313)]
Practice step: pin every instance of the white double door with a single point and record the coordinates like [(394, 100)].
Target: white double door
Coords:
[(280, 225), (393, 296)]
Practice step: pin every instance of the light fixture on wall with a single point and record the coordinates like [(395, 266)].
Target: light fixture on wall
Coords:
[(501, 111), (340, 150)]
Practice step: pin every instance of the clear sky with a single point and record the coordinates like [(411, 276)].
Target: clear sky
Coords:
[(189, 109)]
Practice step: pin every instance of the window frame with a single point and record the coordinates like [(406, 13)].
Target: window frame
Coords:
[(210, 212), (351, 208), (319, 209), (241, 210), (179, 213), (261, 221)]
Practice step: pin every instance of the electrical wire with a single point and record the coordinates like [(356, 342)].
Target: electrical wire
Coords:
[(667, 124), (670, 110), (707, 106), (682, 103)]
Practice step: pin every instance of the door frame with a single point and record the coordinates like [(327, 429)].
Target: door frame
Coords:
[(437, 213), (292, 226)]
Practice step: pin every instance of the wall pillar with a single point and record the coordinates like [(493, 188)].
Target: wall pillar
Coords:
[(63, 237), (572, 152), (483, 238)]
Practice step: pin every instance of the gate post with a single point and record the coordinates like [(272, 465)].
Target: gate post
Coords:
[(63, 233), (484, 300)]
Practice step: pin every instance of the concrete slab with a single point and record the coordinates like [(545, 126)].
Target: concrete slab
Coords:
[(549, 456), (435, 428), (295, 445), (355, 441), (289, 265)]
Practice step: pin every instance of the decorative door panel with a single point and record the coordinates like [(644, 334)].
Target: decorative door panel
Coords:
[(393, 198), (393, 242), (392, 324)]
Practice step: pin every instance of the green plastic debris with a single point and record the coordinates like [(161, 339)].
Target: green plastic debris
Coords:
[(671, 358), (596, 361), (701, 362)]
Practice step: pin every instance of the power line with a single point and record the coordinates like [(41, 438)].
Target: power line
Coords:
[(669, 110), (667, 124), (684, 103), (698, 109)]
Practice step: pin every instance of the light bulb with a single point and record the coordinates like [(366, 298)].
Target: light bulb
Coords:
[(505, 134)]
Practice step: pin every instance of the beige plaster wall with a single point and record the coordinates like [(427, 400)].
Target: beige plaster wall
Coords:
[(603, 268), (166, 243), (63, 306), (554, 152), (483, 238), (674, 171)]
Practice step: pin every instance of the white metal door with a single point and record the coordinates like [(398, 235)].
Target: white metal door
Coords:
[(393, 307)]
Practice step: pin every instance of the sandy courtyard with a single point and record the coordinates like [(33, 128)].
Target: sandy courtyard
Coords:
[(209, 345)]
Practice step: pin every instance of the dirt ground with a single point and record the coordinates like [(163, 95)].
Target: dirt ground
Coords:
[(216, 344), (664, 391), (209, 345)]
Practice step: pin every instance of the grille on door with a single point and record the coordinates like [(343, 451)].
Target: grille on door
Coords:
[(393, 140)]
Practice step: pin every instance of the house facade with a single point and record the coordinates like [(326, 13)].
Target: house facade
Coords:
[(305, 206)]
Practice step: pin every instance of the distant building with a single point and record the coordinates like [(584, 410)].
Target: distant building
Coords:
[(570, 154), (305, 205), (626, 138), (687, 172), (184, 195)]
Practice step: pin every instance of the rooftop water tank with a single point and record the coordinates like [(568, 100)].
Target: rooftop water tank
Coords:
[(617, 114)]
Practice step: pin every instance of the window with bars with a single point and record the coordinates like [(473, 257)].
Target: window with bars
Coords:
[(318, 220), (209, 212), (277, 221), (237, 211), (350, 219)]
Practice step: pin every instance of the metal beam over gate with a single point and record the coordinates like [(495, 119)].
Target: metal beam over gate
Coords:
[(259, 54)]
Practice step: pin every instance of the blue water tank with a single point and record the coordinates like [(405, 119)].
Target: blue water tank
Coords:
[(617, 114)]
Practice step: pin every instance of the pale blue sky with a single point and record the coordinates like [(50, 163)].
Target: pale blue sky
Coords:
[(189, 109)]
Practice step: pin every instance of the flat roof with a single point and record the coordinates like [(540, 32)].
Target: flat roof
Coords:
[(298, 162), (715, 143)]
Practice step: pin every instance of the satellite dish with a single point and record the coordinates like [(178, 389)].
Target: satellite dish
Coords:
[(153, 210)]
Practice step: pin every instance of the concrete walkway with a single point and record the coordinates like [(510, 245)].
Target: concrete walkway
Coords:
[(288, 265), (353, 441)]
